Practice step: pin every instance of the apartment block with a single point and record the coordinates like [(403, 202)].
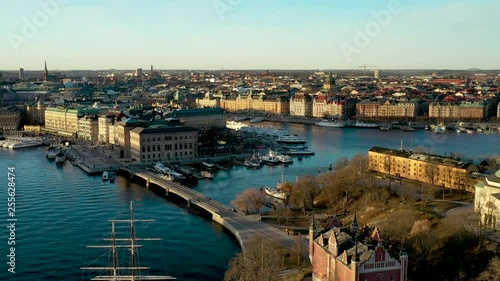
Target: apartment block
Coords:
[(432, 169)]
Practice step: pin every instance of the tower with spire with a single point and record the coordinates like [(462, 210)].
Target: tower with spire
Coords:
[(329, 83), (45, 75)]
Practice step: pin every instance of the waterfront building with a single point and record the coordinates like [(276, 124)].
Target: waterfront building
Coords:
[(35, 114), (387, 109), (200, 118), (320, 106), (427, 168), (339, 254), (10, 120), (256, 103), (498, 111), (62, 121), (301, 104), (464, 110), (208, 101), (163, 143), (88, 128), (487, 201)]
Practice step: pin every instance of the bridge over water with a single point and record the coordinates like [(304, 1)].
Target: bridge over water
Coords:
[(241, 226)]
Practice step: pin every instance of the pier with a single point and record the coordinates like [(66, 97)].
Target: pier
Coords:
[(241, 226)]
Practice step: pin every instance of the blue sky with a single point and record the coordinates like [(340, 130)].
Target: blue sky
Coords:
[(249, 34)]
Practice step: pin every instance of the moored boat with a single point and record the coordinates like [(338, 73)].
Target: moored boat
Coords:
[(257, 119), (60, 156), (208, 164), (270, 158), (275, 193), (207, 174), (105, 176), (291, 139), (285, 159), (330, 123), (361, 124)]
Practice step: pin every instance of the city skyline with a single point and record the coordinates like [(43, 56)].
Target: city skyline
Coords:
[(231, 34)]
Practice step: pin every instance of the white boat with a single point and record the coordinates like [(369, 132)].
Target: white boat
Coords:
[(208, 164), (60, 156), (438, 129), (25, 142), (275, 193), (361, 124), (233, 125), (160, 168), (291, 139), (51, 153), (207, 174), (105, 176), (257, 119), (270, 158), (285, 159), (330, 123), (469, 131), (299, 151)]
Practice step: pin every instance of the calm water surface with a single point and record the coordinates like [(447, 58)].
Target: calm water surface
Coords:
[(60, 210)]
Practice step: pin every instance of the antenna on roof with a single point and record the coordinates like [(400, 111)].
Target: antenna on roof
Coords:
[(411, 145)]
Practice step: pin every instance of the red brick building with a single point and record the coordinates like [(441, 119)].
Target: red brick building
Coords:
[(338, 255)]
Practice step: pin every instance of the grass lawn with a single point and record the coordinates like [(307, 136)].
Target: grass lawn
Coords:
[(437, 206)]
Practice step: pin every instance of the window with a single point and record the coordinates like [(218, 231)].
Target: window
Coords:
[(149, 149), (143, 149), (393, 277)]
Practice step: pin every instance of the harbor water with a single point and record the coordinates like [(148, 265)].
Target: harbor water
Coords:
[(60, 209)]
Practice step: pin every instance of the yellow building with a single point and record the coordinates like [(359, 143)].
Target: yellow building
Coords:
[(208, 101), (432, 169), (256, 104), (62, 121), (387, 109), (466, 110), (301, 105)]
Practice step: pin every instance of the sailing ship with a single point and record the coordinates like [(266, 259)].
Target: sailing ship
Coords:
[(133, 272)]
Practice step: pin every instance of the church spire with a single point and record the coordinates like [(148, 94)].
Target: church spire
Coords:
[(45, 75)]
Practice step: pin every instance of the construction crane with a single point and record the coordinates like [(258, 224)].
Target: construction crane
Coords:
[(364, 66)]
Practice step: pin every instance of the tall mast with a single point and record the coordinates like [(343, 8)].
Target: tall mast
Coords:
[(134, 270)]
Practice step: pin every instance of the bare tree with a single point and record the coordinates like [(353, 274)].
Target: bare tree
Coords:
[(261, 260), (250, 199), (297, 251), (341, 163), (305, 192)]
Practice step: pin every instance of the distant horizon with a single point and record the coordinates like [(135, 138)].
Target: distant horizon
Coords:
[(246, 35), (258, 69)]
